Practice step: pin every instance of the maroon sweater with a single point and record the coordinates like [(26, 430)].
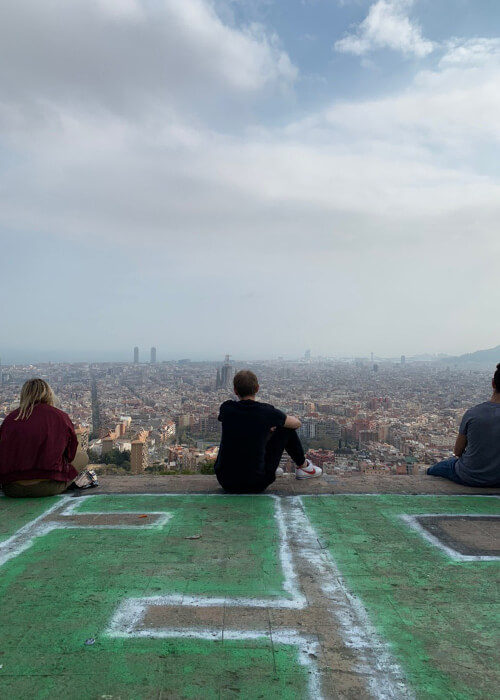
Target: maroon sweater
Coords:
[(39, 447)]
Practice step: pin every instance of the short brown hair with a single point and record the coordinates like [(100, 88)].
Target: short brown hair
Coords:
[(245, 383)]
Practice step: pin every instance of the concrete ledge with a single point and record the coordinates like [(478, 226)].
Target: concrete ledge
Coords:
[(288, 485)]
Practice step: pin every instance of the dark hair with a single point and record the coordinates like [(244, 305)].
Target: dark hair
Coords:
[(245, 383), (496, 378)]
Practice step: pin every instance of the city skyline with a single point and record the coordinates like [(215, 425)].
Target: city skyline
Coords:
[(133, 356), (225, 175), (164, 417)]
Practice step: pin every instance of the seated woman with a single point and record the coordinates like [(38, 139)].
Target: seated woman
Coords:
[(38, 446)]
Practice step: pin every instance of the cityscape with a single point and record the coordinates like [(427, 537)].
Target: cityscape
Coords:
[(358, 415)]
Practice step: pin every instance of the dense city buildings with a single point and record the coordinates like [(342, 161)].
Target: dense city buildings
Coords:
[(162, 417)]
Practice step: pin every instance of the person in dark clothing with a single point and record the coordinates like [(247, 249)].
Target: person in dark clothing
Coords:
[(254, 436), (38, 446)]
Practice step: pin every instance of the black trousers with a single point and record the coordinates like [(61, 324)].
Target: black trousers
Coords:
[(280, 440)]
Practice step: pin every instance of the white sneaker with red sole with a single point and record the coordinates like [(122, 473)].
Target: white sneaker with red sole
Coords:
[(310, 471)]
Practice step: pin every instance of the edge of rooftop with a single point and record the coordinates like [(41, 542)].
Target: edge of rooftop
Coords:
[(287, 485)]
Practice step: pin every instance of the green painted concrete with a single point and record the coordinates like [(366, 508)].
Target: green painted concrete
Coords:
[(65, 588), (16, 512), (236, 555), (441, 618), (141, 669)]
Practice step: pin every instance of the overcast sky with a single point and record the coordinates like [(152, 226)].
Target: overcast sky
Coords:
[(253, 177)]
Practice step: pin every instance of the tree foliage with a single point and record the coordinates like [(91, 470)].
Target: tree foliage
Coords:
[(121, 459), (207, 467)]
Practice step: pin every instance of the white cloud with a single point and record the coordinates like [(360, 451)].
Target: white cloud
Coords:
[(120, 9), (387, 26), (386, 159), (367, 210), (452, 109), (127, 55), (471, 53)]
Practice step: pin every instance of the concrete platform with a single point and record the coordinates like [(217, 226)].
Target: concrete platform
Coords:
[(288, 485), (166, 588)]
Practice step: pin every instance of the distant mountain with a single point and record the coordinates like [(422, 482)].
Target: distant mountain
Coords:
[(489, 357)]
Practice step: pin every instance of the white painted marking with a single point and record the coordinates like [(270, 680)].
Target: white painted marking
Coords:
[(399, 495), (412, 521), (24, 538), (290, 583), (384, 677)]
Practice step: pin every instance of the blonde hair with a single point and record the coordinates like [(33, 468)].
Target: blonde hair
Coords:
[(34, 391)]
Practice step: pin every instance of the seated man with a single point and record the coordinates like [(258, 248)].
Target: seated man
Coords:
[(477, 448), (254, 436), (39, 451)]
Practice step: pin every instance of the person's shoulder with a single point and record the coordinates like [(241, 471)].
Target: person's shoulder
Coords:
[(227, 406), (11, 416), (479, 408), (54, 411), (265, 406), (268, 408)]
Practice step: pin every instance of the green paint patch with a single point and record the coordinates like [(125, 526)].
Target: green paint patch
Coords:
[(17, 512), (440, 617), (140, 669), (66, 587), (236, 553)]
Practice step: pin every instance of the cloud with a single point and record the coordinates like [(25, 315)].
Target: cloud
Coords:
[(449, 111), (387, 26), (135, 57), (478, 52), (408, 156), (123, 177)]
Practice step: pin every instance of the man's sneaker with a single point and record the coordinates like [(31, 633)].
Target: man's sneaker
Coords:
[(93, 477), (85, 480), (308, 472)]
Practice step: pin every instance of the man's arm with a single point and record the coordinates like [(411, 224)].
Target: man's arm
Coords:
[(292, 422), (460, 445)]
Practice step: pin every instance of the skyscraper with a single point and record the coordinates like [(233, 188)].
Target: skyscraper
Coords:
[(136, 355), (226, 374), (153, 355)]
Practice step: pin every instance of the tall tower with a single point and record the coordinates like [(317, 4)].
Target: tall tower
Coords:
[(153, 356), (136, 355), (226, 374)]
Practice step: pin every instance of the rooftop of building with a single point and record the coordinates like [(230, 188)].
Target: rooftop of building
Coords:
[(164, 587)]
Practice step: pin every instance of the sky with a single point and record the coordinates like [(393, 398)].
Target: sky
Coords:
[(252, 177)]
